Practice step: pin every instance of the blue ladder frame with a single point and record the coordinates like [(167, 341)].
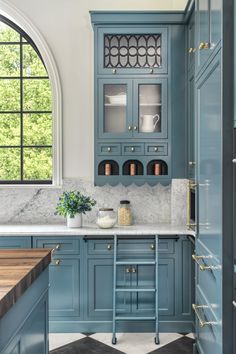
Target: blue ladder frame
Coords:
[(155, 317)]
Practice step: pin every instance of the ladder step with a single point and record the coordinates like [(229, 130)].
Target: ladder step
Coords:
[(135, 318), (123, 289), (135, 261)]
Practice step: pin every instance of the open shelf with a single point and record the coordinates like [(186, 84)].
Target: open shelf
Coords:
[(138, 167), (114, 167), (163, 168)]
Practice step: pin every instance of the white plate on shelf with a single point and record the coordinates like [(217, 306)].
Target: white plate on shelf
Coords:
[(117, 99)]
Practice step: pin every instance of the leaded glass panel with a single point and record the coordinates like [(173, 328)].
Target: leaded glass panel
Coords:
[(132, 51)]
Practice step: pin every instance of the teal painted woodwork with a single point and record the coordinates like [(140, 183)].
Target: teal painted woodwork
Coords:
[(15, 242), (146, 29), (64, 292), (64, 275), (125, 94), (81, 283), (191, 127), (209, 172), (24, 328), (208, 30)]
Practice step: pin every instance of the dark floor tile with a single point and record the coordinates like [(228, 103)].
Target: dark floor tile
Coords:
[(183, 345), (86, 345), (88, 333)]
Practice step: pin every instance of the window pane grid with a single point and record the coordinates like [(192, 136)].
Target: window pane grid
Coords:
[(26, 155)]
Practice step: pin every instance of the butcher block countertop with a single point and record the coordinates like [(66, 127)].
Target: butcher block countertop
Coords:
[(18, 270)]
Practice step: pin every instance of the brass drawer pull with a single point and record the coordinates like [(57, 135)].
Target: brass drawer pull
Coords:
[(109, 247), (203, 266), (152, 247), (57, 248), (57, 262), (156, 149), (132, 149), (204, 45), (202, 323), (109, 149)]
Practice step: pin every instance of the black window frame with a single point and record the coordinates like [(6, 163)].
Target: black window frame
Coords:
[(21, 112)]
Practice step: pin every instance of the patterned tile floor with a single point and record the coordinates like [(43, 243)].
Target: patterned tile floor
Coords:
[(127, 343)]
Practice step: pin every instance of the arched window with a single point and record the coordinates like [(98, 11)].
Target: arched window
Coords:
[(26, 120)]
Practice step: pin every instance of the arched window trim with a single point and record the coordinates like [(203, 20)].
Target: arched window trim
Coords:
[(16, 16)]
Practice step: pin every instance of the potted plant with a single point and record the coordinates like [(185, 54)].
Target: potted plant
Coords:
[(72, 205)]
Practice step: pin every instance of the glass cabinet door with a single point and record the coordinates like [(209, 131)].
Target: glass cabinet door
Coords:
[(150, 113), (115, 118)]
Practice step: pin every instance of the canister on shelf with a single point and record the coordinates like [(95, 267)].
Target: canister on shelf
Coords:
[(157, 169), (125, 217), (107, 169), (132, 169)]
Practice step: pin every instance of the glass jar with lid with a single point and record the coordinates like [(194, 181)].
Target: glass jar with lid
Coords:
[(125, 217), (106, 218)]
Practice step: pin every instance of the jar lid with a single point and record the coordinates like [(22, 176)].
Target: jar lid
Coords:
[(124, 202), (106, 209)]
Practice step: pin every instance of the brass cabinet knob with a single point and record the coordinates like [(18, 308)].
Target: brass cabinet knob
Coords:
[(135, 127), (204, 45), (132, 149), (114, 71), (152, 246), (129, 127), (127, 270), (109, 246), (57, 262), (156, 149), (58, 246), (190, 50), (192, 163), (133, 270), (109, 149), (151, 71)]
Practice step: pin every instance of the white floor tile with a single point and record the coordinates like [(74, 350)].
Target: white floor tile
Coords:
[(191, 335), (57, 340), (136, 343)]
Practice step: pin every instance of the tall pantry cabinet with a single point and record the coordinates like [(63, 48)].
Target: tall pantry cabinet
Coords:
[(212, 154)]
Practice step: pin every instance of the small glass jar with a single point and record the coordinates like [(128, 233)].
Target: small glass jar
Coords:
[(106, 218), (125, 217)]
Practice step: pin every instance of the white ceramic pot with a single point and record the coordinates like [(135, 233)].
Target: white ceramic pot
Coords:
[(76, 221)]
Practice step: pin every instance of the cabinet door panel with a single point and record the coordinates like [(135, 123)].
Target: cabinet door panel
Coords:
[(150, 104), (215, 22), (115, 108), (191, 128), (15, 242), (210, 158), (203, 30), (64, 291)]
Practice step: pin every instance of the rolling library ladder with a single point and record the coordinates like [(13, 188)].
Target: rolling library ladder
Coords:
[(119, 261)]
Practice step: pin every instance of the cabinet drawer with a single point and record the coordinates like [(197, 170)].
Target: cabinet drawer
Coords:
[(133, 149), (145, 246), (60, 245), (15, 242), (156, 149), (101, 247), (209, 335), (109, 149)]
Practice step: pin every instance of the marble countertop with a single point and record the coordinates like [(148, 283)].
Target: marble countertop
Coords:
[(18, 270), (87, 230)]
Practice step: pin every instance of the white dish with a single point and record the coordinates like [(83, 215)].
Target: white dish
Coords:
[(117, 99)]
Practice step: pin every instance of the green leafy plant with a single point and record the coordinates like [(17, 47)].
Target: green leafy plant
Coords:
[(72, 203)]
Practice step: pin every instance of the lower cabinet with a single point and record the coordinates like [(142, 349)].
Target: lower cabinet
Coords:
[(81, 281), (15, 242)]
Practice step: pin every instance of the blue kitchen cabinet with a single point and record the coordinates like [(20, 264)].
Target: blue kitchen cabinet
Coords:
[(143, 48), (15, 242), (191, 45), (124, 106), (208, 305), (208, 30), (191, 127), (24, 328), (64, 276)]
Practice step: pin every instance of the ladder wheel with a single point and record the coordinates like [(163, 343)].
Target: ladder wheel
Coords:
[(114, 341), (157, 340)]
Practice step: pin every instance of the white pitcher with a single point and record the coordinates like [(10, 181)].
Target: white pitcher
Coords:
[(149, 122)]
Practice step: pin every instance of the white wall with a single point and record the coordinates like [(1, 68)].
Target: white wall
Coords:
[(65, 24)]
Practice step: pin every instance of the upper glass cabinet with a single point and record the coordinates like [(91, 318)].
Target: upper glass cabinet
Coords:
[(132, 108), (136, 50)]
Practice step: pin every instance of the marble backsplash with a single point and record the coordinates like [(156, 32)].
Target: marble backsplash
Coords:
[(158, 204)]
